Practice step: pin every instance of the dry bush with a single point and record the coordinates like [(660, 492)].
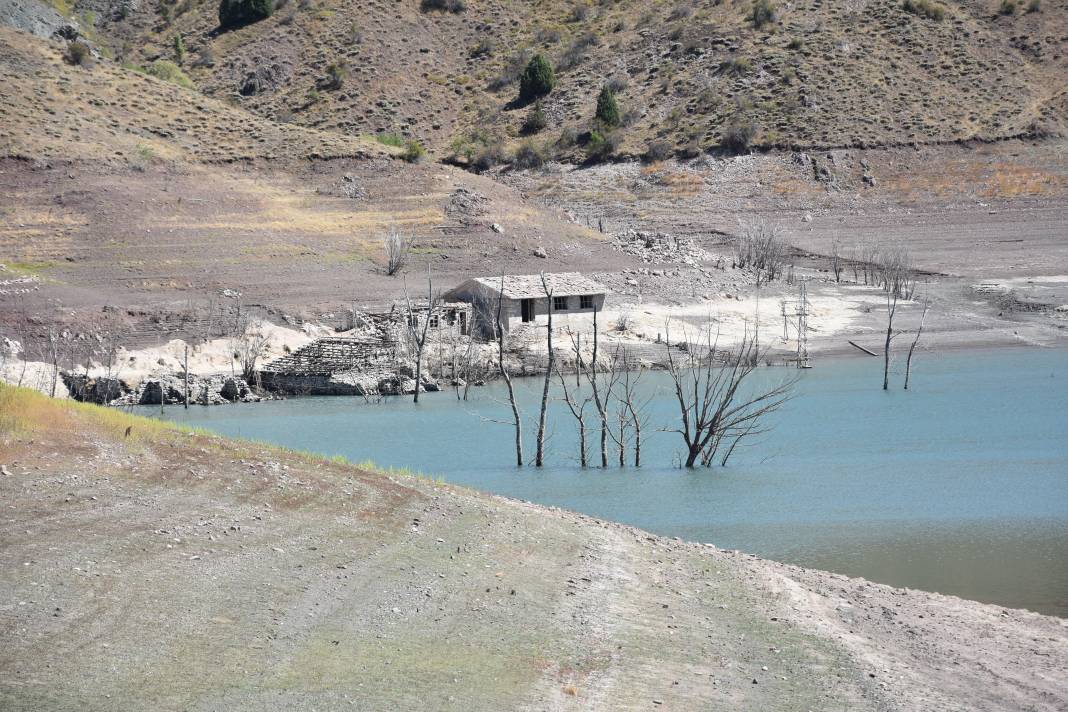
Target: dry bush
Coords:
[(397, 249), (761, 247)]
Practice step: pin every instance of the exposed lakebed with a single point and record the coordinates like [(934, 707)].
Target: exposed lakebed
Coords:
[(959, 485)]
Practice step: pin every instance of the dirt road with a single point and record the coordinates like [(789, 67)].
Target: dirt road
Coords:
[(170, 570)]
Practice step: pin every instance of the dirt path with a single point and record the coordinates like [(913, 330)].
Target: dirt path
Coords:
[(173, 570)]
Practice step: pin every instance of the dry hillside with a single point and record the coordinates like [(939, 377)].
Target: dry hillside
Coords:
[(821, 74)]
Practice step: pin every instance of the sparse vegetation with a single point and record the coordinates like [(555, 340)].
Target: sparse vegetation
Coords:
[(762, 13), (607, 108), (336, 73), (600, 147), (390, 139), (179, 48), (169, 72), (736, 66), (78, 54), (237, 13), (1007, 8), (413, 151), (537, 80), (397, 247), (658, 150), (1034, 6), (535, 120), (738, 135), (454, 6), (925, 8), (529, 155)]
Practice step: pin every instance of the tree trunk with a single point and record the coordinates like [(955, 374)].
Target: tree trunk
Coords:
[(908, 360), (539, 456), (508, 382)]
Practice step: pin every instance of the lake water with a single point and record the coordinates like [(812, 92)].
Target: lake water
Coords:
[(959, 485)]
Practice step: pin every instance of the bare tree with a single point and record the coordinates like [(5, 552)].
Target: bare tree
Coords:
[(600, 401), (761, 247), (539, 455), (630, 409), (915, 340), (397, 249), (417, 334), (891, 310), (516, 419), (576, 406), (714, 405), (836, 259)]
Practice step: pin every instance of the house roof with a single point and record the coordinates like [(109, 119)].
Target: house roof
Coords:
[(529, 286)]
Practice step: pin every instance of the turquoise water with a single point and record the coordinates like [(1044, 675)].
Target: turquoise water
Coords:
[(959, 485)]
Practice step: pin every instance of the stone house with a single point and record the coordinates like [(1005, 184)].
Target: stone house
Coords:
[(523, 299)]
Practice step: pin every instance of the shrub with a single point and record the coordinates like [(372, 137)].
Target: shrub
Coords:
[(568, 137), (580, 12), (179, 48), (511, 70), (335, 77), (529, 155), (681, 11), (618, 82), (537, 79), (600, 147), (78, 54), (1034, 6), (413, 151), (658, 150), (236, 13), (390, 139), (535, 120), (925, 8), (607, 109), (1008, 7), (738, 135), (488, 156), (443, 5), (763, 13), (169, 72), (736, 66), (795, 43), (482, 48)]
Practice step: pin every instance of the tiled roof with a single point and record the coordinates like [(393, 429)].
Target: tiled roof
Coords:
[(529, 286)]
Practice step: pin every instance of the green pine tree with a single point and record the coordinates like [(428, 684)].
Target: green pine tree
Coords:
[(537, 79), (607, 108)]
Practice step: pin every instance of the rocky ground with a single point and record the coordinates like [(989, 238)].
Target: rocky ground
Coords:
[(153, 567)]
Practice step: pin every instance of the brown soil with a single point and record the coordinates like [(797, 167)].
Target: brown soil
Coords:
[(173, 570)]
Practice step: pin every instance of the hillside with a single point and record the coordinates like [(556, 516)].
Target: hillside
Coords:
[(821, 74), (49, 109), (147, 566)]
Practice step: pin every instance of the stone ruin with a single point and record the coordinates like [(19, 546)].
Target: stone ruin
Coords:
[(170, 388)]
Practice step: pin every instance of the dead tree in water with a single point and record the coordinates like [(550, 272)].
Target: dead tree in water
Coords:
[(630, 408), (539, 455), (600, 401), (912, 347), (714, 405), (508, 379), (836, 259), (891, 310), (418, 335)]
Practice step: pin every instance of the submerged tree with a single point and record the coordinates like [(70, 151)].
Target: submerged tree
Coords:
[(539, 455), (915, 340), (516, 419), (716, 405)]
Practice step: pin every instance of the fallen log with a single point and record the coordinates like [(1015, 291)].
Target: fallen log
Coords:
[(870, 353)]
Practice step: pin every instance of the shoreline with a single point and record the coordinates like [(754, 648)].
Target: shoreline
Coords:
[(569, 609)]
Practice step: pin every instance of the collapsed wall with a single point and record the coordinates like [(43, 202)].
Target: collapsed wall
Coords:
[(342, 366)]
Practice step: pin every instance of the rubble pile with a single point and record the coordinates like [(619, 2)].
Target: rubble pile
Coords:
[(657, 247)]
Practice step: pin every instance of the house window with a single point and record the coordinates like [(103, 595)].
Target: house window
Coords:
[(586, 301), (526, 308), (433, 321), (559, 303)]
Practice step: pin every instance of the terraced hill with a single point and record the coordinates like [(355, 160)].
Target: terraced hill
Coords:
[(821, 73)]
